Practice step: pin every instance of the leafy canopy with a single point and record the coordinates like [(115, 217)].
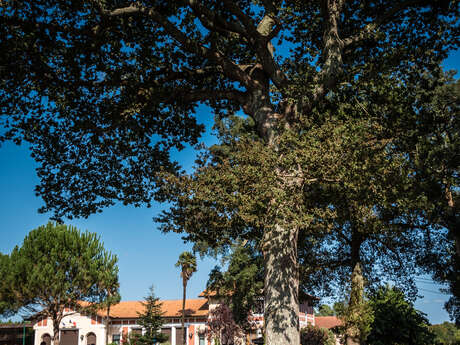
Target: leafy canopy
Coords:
[(325, 310), (104, 90)]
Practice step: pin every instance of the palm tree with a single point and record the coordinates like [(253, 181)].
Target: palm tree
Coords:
[(187, 263)]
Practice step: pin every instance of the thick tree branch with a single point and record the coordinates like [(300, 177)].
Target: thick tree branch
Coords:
[(229, 68), (332, 65), (333, 45), (266, 32), (213, 22), (242, 17), (260, 36)]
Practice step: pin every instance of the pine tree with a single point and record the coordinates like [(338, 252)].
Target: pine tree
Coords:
[(59, 267), (151, 320)]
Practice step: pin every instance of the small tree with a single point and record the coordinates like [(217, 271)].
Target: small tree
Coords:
[(58, 266), (187, 263), (396, 321), (151, 320)]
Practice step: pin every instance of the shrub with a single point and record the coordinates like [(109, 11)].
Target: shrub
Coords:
[(312, 335)]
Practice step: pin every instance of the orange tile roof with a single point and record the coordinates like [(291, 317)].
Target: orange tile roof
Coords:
[(327, 321), (170, 308)]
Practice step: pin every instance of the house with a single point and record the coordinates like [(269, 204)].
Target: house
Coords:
[(79, 329)]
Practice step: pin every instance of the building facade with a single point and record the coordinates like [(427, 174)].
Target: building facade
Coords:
[(79, 329)]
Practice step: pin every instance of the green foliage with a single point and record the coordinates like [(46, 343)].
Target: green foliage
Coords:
[(8, 302), (446, 333), (357, 319), (312, 335), (134, 103), (187, 264), (396, 321), (436, 182), (151, 320), (241, 285), (325, 310), (58, 266)]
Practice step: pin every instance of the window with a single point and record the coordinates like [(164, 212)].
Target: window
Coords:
[(91, 339), (46, 339), (116, 338)]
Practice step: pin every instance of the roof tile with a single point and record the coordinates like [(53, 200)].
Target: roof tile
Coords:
[(170, 308), (327, 321)]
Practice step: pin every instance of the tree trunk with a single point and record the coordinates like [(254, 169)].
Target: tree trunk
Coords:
[(56, 332), (453, 225), (453, 222), (107, 321), (281, 281), (281, 287), (353, 330), (183, 312)]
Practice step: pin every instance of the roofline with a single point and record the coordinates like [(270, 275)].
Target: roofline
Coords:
[(15, 325)]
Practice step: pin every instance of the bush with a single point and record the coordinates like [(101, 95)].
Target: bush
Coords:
[(312, 335)]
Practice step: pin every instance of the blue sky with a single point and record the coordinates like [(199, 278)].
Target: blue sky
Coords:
[(146, 256)]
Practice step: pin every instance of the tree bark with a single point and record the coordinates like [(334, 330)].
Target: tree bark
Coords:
[(107, 321), (281, 281), (281, 286), (353, 332), (453, 222), (56, 331), (453, 225)]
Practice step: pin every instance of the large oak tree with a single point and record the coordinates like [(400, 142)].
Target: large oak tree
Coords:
[(103, 90)]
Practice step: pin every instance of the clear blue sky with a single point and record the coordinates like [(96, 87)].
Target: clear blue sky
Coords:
[(146, 256)]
